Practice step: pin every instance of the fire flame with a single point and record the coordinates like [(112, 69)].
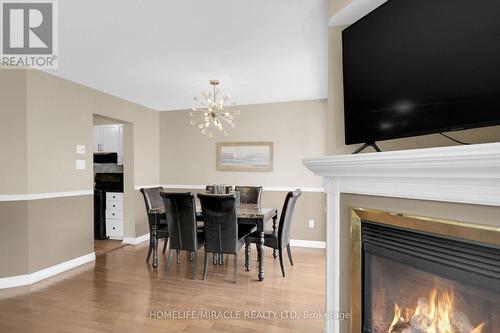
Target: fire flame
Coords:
[(435, 315)]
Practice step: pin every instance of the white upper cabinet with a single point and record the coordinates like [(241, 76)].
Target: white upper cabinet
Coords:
[(97, 139), (109, 139)]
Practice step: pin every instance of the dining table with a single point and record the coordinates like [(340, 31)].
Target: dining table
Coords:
[(247, 214)]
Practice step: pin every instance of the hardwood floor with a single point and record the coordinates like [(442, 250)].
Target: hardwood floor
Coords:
[(120, 291), (106, 245)]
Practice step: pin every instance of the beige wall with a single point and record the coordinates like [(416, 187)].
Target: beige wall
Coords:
[(59, 230), (298, 130), (13, 173), (60, 116), (336, 5), (13, 238), (13, 140), (310, 206), (141, 216), (42, 119), (476, 214)]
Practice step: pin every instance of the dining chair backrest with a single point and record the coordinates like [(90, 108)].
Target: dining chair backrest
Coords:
[(180, 210), (250, 194), (211, 189), (221, 222), (287, 216), (152, 199)]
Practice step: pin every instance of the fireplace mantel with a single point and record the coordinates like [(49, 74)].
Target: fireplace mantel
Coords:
[(463, 174)]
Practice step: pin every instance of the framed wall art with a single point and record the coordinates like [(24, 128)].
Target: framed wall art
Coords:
[(245, 156)]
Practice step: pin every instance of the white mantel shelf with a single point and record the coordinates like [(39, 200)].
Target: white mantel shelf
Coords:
[(463, 174), (467, 174)]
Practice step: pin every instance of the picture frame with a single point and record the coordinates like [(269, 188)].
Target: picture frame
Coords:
[(245, 156)]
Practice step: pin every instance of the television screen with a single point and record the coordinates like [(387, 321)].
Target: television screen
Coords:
[(414, 67)]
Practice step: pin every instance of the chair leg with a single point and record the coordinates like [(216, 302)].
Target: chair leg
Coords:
[(280, 255), (195, 264), (169, 262), (221, 258), (191, 254), (236, 268), (247, 256), (258, 251), (150, 249), (206, 266), (289, 254), (165, 241), (215, 255), (178, 256)]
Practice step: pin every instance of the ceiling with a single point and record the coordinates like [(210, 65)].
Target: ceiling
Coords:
[(161, 53)]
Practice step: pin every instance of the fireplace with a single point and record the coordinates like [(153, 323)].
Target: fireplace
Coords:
[(419, 275)]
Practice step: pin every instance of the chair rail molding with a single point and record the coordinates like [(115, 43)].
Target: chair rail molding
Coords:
[(202, 187), (461, 174), (42, 196)]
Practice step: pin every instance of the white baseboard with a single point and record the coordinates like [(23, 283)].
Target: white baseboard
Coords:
[(24, 280), (293, 242), (135, 241), (308, 243)]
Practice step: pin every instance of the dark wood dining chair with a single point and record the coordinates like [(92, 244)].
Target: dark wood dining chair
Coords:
[(153, 201), (218, 258), (277, 240), (250, 194), (211, 189), (221, 227), (184, 234)]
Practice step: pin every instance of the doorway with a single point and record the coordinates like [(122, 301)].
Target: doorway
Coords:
[(112, 179)]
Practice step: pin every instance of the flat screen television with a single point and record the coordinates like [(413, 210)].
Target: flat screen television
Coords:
[(414, 67)]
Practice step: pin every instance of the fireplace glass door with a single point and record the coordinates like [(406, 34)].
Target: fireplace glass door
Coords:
[(421, 283)]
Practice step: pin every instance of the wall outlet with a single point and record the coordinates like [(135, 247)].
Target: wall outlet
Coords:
[(311, 224), (80, 164), (80, 149)]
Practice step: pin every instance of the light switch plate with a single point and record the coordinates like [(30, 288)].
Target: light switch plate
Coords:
[(80, 149), (80, 164), (311, 224)]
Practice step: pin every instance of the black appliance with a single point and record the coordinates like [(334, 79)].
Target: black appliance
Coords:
[(103, 183), (106, 158), (420, 67), (99, 214)]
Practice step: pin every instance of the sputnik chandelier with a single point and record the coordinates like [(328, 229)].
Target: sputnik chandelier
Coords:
[(213, 112)]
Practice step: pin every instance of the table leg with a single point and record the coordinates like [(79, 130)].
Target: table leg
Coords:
[(155, 241), (261, 255), (247, 256), (275, 225)]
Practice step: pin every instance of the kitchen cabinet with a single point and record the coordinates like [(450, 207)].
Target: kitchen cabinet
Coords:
[(114, 215), (109, 139)]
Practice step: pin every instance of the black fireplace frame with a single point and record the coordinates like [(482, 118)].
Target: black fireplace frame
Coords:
[(410, 239)]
